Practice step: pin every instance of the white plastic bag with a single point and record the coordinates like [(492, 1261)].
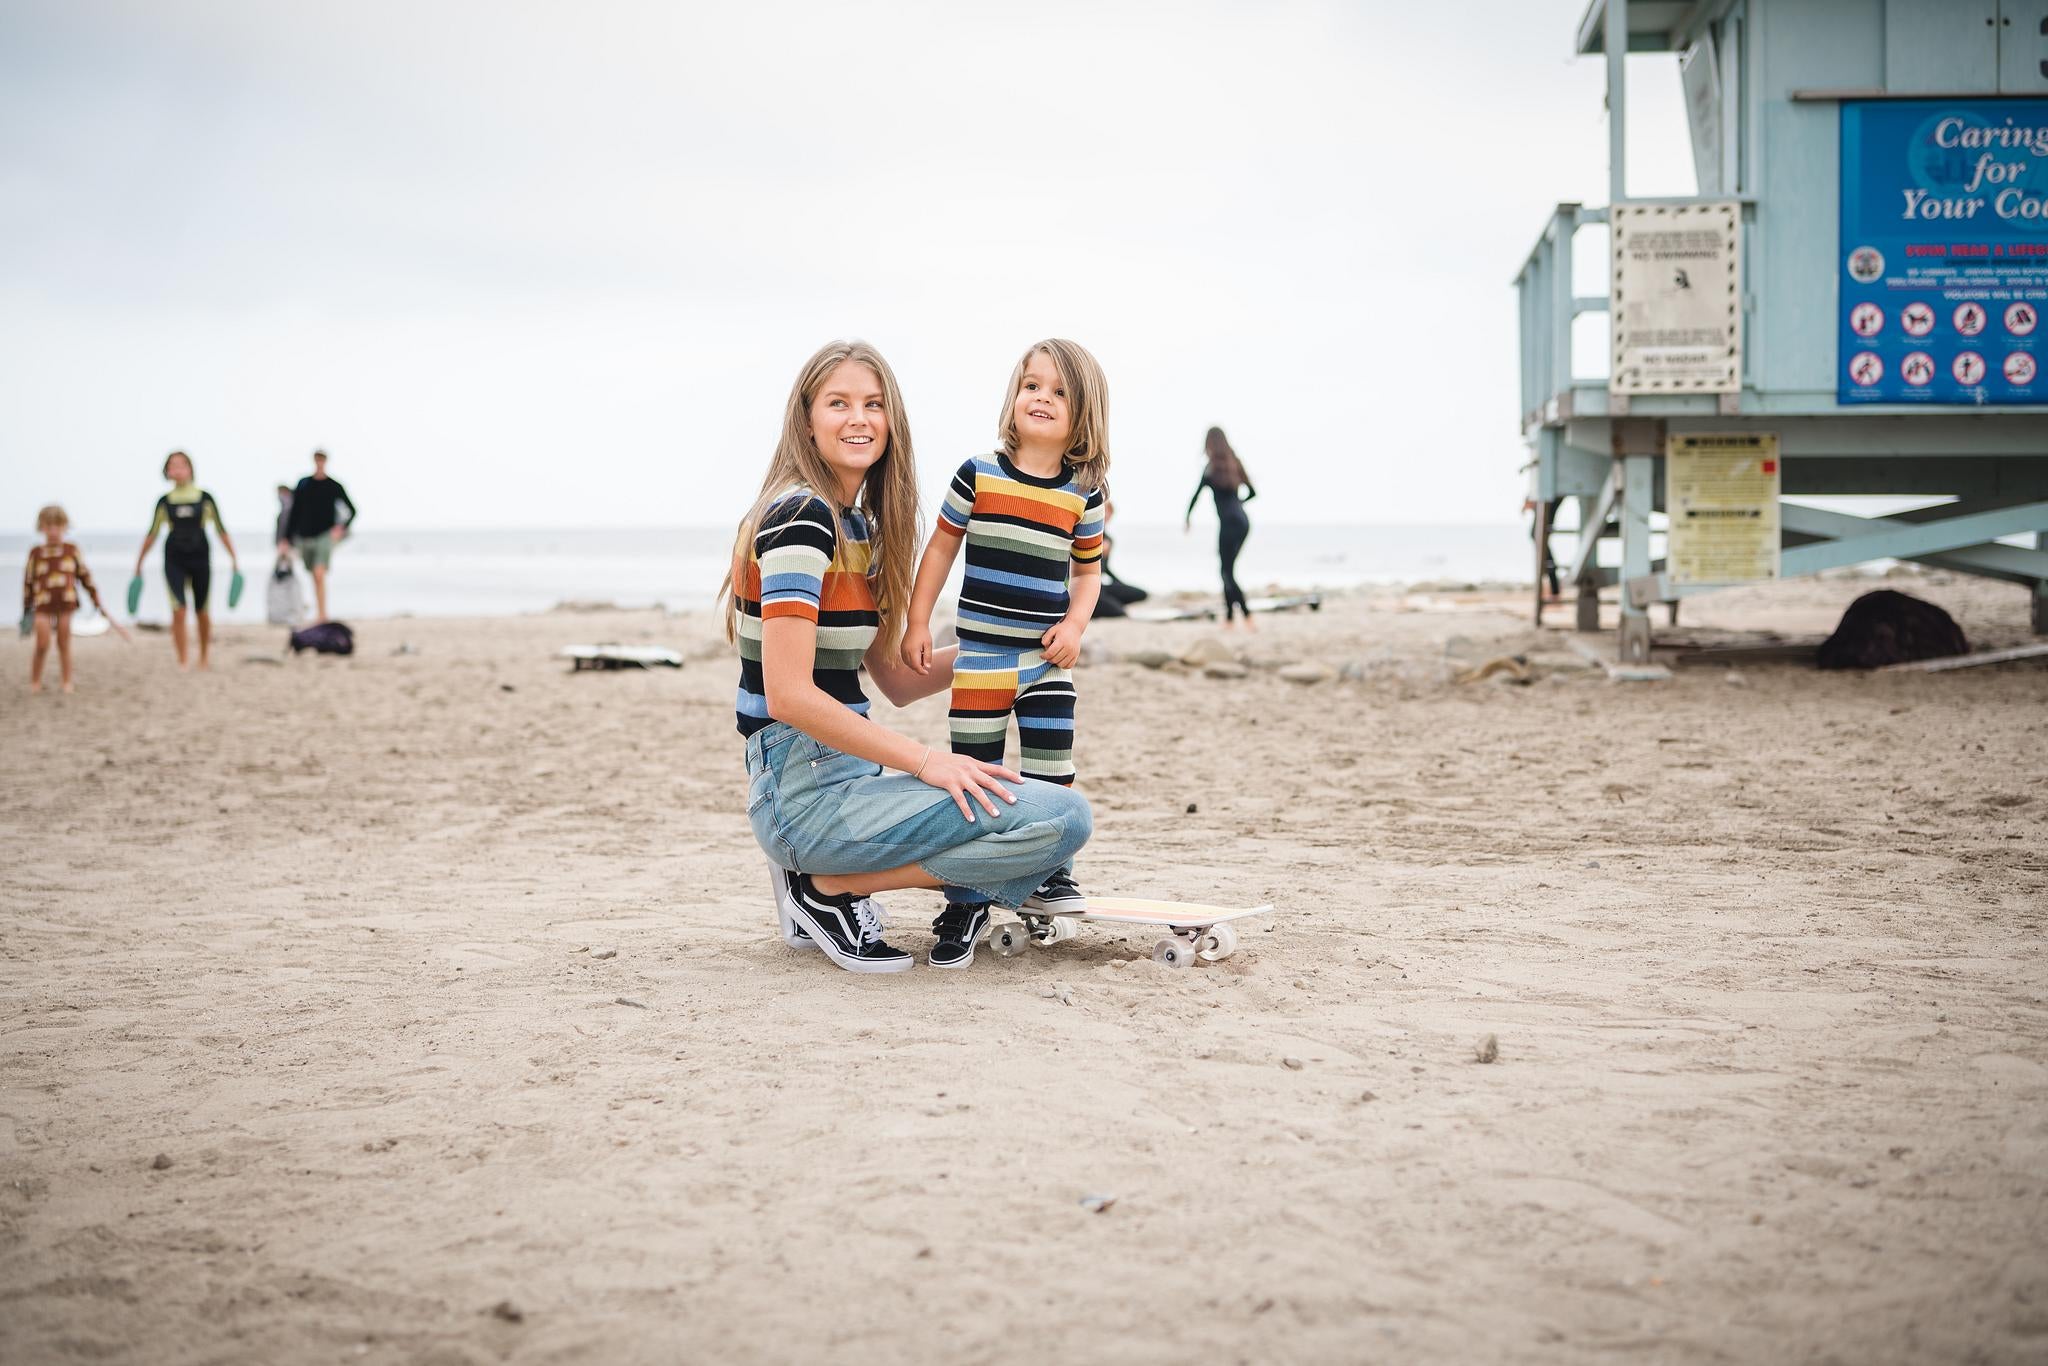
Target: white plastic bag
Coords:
[(285, 604)]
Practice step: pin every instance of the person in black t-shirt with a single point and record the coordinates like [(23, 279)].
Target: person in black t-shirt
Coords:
[(314, 526)]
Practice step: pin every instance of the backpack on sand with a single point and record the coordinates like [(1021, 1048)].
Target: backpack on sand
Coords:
[(328, 638)]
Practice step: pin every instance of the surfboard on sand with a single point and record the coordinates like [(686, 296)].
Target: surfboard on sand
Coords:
[(1145, 611), (1312, 601), (619, 657)]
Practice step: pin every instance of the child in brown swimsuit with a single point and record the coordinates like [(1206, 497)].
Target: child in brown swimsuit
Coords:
[(49, 593)]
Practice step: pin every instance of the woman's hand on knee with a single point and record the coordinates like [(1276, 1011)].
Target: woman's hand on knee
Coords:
[(965, 777)]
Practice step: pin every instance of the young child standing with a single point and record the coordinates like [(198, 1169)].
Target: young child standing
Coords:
[(49, 593), (1030, 515)]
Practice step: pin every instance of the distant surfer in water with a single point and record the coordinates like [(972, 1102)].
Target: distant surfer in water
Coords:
[(1232, 488), (188, 555)]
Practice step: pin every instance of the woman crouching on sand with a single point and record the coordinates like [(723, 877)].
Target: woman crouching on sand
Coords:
[(821, 575)]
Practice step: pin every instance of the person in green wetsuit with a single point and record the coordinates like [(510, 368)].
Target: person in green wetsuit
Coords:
[(188, 556)]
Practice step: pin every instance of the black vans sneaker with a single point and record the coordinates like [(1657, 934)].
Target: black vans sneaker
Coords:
[(1059, 896), (959, 929), (794, 934), (847, 928)]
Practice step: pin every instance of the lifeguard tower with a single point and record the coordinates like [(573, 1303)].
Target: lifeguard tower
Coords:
[(1850, 305)]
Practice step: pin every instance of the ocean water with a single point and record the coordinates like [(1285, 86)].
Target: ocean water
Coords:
[(379, 573)]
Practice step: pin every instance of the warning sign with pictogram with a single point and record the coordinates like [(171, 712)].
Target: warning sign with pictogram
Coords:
[(1942, 221)]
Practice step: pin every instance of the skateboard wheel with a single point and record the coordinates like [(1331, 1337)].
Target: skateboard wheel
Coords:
[(1064, 927), (1217, 944), (1008, 938), (1175, 953)]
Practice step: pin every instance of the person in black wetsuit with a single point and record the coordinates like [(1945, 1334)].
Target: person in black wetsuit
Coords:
[(188, 556), (314, 525), (1226, 480), (1116, 593)]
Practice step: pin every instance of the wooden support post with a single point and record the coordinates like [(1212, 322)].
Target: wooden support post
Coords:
[(1636, 495), (1541, 532), (1592, 520)]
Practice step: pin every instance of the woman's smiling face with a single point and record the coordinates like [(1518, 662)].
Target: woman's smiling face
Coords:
[(850, 423)]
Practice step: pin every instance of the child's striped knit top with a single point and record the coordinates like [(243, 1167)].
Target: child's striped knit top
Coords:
[(1022, 531), (802, 565)]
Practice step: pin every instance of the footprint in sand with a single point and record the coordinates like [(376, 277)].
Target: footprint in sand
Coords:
[(485, 955)]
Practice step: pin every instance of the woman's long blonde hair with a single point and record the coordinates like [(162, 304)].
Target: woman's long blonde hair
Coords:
[(888, 496), (1087, 453)]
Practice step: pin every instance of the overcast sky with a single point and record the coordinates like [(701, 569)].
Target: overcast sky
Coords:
[(556, 265)]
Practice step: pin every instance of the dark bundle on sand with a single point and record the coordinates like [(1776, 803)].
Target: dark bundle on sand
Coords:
[(1891, 628)]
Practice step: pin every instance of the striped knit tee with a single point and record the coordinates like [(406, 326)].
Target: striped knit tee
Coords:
[(802, 565), (1022, 531)]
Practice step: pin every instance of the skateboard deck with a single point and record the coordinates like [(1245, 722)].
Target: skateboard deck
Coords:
[(1195, 931), (1173, 915)]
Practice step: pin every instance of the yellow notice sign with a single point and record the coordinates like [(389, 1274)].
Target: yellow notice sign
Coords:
[(1722, 494)]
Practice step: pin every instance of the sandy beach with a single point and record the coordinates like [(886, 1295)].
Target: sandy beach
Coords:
[(425, 1006)]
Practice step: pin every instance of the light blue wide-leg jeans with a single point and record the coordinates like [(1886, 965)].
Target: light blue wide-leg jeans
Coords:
[(817, 810)]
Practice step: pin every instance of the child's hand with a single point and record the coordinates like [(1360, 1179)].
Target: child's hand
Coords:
[(917, 647), (1063, 643)]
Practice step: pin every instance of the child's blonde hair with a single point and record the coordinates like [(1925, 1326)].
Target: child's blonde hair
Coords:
[(888, 496), (1087, 453), (50, 515)]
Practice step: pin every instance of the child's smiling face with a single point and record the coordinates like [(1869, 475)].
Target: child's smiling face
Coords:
[(1042, 412), (850, 423), (53, 533)]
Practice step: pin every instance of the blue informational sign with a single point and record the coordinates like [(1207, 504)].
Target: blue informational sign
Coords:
[(1944, 251)]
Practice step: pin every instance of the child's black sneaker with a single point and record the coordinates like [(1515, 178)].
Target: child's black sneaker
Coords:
[(959, 929), (1059, 896), (847, 928)]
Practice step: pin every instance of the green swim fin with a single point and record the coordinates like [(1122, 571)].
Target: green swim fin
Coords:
[(234, 590), (134, 594)]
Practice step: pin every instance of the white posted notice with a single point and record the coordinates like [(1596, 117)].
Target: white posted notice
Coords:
[(1677, 298), (1722, 494)]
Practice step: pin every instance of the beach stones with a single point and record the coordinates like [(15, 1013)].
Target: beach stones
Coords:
[(1224, 668), (1205, 652), (1148, 659), (1306, 674)]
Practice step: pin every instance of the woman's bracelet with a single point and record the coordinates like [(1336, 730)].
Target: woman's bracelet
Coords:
[(922, 762)]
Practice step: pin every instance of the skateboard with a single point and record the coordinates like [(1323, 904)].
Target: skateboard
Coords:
[(1194, 931)]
